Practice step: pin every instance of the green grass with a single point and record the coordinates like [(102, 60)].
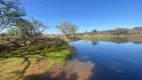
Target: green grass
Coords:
[(33, 60)]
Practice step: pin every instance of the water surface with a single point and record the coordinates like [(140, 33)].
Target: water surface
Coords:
[(114, 59)]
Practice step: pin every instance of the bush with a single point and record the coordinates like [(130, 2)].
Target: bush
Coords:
[(4, 48), (40, 46), (49, 45)]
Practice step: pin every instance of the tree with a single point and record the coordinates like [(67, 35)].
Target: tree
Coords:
[(30, 29), (10, 12), (67, 28), (94, 31), (119, 31), (11, 32), (23, 28), (37, 27), (137, 28)]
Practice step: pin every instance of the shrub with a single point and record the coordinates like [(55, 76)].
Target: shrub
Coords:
[(4, 48)]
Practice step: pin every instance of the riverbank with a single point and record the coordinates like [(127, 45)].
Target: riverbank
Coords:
[(106, 36), (90, 37), (33, 59), (136, 39)]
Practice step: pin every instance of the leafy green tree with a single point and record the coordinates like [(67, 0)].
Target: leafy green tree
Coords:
[(11, 32), (10, 12), (23, 28), (30, 30), (94, 31)]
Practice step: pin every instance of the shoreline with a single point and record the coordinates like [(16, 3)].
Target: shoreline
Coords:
[(31, 60)]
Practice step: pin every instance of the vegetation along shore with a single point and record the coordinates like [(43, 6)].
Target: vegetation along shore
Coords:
[(27, 52)]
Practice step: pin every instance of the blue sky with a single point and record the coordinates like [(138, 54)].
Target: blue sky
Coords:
[(86, 14)]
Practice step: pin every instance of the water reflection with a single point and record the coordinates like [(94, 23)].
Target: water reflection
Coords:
[(82, 69), (118, 40), (113, 59), (94, 42), (72, 70)]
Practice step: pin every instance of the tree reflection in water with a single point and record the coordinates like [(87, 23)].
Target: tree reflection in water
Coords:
[(118, 40)]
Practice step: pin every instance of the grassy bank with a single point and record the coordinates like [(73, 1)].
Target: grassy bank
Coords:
[(33, 59)]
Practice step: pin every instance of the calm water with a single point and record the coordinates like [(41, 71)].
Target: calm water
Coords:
[(114, 59)]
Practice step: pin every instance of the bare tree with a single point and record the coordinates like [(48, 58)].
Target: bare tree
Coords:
[(67, 28)]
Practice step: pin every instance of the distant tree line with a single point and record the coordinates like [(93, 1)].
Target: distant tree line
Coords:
[(117, 31), (118, 40)]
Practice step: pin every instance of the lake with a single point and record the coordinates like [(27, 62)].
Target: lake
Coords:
[(114, 58)]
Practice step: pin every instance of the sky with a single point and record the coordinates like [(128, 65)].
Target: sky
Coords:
[(86, 14)]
